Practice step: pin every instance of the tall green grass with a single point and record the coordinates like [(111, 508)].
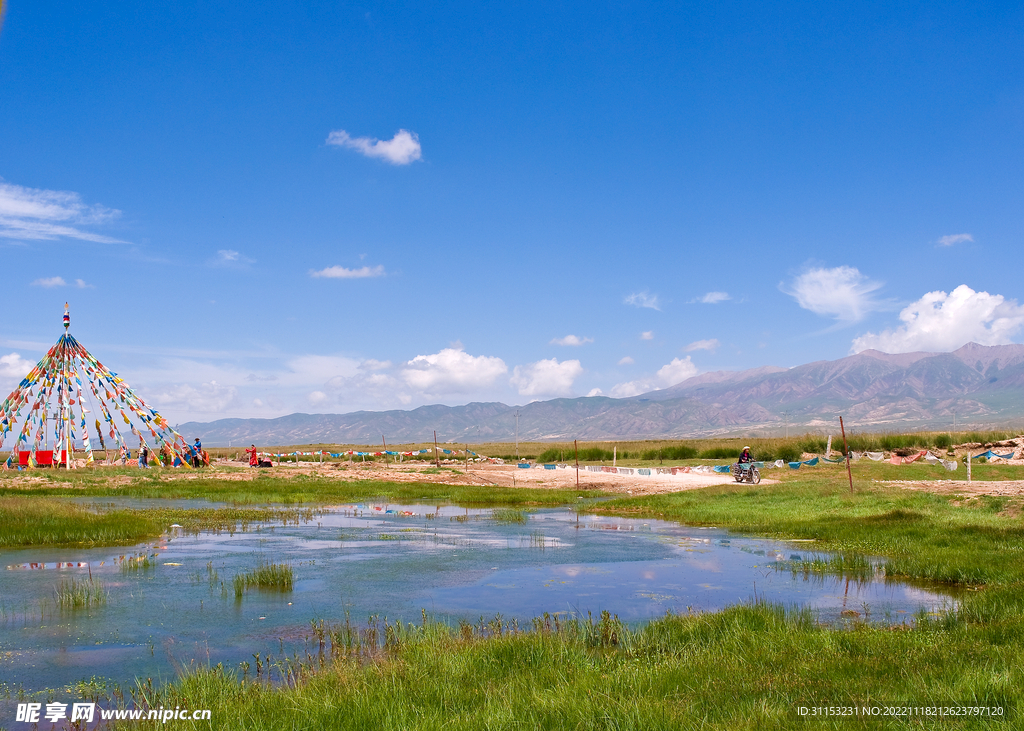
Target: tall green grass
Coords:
[(672, 452), (31, 521), (509, 515), (135, 564), (269, 576), (585, 454), (299, 489), (49, 521), (748, 667), (76, 593)]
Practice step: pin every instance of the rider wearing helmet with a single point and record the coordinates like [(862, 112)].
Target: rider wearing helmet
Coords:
[(746, 457)]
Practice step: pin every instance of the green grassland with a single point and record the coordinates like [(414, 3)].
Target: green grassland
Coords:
[(748, 667), (286, 489)]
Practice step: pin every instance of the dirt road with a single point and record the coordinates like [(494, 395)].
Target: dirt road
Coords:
[(498, 475)]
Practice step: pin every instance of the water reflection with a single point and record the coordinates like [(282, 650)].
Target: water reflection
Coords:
[(170, 603)]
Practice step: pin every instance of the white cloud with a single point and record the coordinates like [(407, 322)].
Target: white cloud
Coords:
[(337, 272), (315, 398), (13, 366), (402, 149), (595, 392), (842, 292), (713, 298), (546, 377), (81, 284), (953, 239), (452, 371), (571, 340), (677, 371), (374, 365), (668, 375), (647, 335), (232, 258), (49, 282), (626, 360), (320, 370), (631, 388), (710, 345), (210, 397), (48, 215), (944, 322), (643, 299)]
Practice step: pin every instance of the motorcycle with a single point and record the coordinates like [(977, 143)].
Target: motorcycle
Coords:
[(746, 472)]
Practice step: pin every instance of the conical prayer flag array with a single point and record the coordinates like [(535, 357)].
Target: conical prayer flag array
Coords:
[(55, 393)]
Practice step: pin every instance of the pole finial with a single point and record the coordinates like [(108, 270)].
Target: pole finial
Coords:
[(67, 317)]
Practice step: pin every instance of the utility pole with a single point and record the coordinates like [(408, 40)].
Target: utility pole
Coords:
[(576, 450), (786, 414), (517, 434), (846, 449)]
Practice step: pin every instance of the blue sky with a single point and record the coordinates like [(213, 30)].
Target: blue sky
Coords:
[(262, 208)]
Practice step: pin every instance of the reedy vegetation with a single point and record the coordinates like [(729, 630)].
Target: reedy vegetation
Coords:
[(270, 576)]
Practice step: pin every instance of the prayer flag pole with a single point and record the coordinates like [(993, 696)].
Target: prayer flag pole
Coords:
[(576, 449), (847, 451)]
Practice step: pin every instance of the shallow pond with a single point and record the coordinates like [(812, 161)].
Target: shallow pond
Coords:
[(392, 561)]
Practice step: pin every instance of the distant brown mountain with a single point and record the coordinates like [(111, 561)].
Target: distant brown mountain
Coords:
[(982, 385)]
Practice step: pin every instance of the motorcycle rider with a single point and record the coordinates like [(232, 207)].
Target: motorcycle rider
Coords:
[(746, 457)]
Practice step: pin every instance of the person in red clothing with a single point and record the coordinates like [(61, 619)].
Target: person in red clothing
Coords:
[(254, 461)]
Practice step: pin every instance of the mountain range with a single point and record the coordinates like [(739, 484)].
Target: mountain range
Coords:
[(978, 386)]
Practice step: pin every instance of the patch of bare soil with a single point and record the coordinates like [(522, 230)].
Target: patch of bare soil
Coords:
[(450, 473), (975, 488), (500, 475)]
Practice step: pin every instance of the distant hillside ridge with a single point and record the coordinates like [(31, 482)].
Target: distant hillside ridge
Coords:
[(983, 385)]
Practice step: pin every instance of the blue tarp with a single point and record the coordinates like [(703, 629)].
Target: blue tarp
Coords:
[(723, 468), (809, 463), (989, 454)]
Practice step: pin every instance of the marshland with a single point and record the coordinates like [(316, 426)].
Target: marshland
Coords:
[(298, 599)]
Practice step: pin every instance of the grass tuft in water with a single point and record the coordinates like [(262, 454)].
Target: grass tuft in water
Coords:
[(132, 564), (268, 576), (509, 515), (845, 565), (79, 594)]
